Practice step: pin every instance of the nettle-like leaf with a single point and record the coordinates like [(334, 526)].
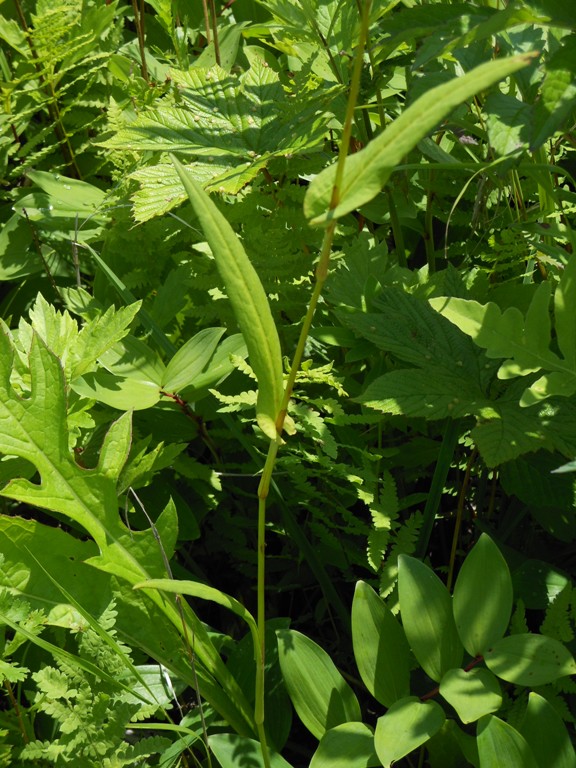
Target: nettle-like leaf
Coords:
[(525, 340), (451, 378), (35, 428), (77, 349), (230, 126)]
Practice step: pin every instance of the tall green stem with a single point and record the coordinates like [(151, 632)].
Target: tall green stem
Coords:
[(321, 275)]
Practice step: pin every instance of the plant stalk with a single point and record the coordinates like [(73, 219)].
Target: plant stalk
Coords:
[(321, 275)]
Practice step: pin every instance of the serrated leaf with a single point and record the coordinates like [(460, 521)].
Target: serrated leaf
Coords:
[(366, 172), (161, 189), (505, 334), (407, 724), (238, 123), (473, 693), (482, 600), (36, 429), (99, 335), (525, 341), (429, 393), (530, 660), (426, 609)]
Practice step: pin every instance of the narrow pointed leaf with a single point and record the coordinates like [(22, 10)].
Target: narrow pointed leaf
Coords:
[(248, 300), (367, 171), (564, 316)]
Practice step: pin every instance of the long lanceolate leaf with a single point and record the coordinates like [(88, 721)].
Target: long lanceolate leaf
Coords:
[(248, 299), (368, 171), (35, 428)]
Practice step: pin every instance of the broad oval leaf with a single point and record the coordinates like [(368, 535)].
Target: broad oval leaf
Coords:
[(380, 647), (134, 359), (546, 733), (472, 693), (426, 609), (234, 751), (117, 391), (350, 745), (191, 359), (482, 598), (501, 746), (321, 696), (218, 368), (530, 660), (407, 724), (248, 300), (366, 172)]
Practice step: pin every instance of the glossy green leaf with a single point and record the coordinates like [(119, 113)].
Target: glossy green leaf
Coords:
[(233, 751), (84, 197), (248, 299), (366, 172), (380, 647), (191, 359), (134, 359), (482, 600), (17, 257), (426, 609), (117, 391), (501, 746), (321, 696), (219, 366), (530, 660), (350, 745), (546, 734), (472, 693), (407, 724)]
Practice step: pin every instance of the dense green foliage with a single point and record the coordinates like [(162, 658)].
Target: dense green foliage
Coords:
[(288, 383)]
